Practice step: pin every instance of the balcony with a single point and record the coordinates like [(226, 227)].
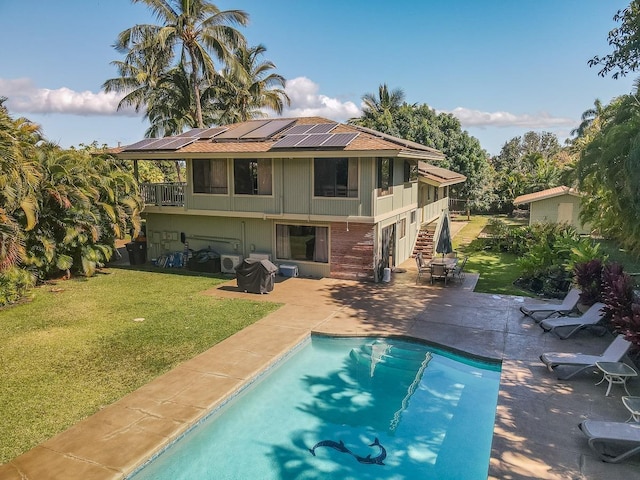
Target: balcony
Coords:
[(163, 194)]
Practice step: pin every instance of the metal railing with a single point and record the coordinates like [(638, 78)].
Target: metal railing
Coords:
[(163, 194)]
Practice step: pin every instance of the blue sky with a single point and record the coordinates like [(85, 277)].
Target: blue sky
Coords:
[(502, 67)]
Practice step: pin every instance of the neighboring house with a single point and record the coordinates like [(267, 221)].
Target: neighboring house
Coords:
[(334, 200), (555, 205)]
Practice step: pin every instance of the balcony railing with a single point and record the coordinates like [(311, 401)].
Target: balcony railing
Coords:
[(163, 194)]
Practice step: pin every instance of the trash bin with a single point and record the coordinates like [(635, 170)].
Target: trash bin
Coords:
[(137, 253), (255, 275)]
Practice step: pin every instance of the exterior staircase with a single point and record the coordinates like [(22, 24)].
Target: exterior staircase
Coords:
[(424, 241)]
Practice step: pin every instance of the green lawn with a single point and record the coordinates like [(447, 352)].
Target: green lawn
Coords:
[(80, 344), (498, 270)]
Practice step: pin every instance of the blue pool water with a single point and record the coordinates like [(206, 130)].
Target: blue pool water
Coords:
[(372, 408)]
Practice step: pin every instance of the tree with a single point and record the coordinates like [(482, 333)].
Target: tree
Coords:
[(421, 124), (247, 86), (192, 30), (625, 40), (609, 172), (19, 177)]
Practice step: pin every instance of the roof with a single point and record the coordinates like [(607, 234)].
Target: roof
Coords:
[(361, 141), (439, 176), (544, 194)]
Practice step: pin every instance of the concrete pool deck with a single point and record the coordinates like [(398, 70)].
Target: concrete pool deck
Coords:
[(536, 431)]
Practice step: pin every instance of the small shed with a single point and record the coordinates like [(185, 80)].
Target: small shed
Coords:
[(555, 205)]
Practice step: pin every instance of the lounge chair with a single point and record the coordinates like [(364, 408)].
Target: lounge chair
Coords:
[(578, 362), (621, 437), (564, 327), (540, 311)]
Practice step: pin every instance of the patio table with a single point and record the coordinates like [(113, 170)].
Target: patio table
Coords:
[(615, 372)]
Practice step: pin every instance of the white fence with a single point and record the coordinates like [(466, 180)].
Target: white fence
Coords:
[(163, 194)]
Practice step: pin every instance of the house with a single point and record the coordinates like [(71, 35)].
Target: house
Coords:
[(331, 199), (555, 205)]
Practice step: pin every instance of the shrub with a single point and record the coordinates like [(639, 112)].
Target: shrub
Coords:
[(588, 278), (14, 282)]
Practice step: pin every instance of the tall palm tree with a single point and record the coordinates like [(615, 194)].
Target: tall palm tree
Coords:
[(247, 86), (386, 103), (588, 118), (190, 29)]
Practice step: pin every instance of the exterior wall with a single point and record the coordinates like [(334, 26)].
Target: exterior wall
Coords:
[(352, 251), (546, 211), (226, 235)]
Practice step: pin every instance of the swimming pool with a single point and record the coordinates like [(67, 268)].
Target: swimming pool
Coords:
[(347, 408)]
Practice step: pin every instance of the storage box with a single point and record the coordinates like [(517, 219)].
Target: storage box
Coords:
[(289, 270)]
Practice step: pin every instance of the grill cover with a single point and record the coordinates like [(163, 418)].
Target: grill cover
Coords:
[(255, 275)]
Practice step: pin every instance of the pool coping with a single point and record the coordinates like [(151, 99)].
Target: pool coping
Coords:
[(535, 433)]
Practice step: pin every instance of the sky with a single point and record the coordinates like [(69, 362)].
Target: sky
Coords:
[(502, 67)]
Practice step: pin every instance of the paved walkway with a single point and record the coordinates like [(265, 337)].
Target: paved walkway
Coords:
[(536, 430)]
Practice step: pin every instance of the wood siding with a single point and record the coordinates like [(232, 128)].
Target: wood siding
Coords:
[(547, 210)]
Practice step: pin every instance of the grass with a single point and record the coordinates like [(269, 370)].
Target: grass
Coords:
[(498, 270), (80, 344)]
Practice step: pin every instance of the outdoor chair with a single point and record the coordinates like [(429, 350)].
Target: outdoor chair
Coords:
[(564, 327), (540, 311), (579, 362), (458, 271), (438, 271), (605, 437), (422, 268)]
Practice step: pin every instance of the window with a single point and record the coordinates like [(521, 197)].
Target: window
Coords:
[(410, 171), (335, 177), (252, 177), (413, 217), (385, 176), (402, 228), (302, 242), (210, 176)]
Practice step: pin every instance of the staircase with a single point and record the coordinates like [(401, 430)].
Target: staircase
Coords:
[(424, 242)]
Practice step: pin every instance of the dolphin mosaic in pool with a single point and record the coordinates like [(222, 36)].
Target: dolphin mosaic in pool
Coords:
[(339, 446)]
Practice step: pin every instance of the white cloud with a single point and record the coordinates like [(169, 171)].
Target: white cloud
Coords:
[(24, 97), (307, 102), (476, 118)]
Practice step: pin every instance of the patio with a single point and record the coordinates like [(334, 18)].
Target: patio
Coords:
[(536, 431)]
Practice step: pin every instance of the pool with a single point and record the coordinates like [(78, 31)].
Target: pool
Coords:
[(347, 408)]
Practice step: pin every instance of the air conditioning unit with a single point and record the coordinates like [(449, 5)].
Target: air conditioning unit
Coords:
[(228, 263), (260, 256)]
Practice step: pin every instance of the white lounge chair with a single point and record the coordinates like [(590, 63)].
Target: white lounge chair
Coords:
[(540, 311), (578, 362), (621, 437), (564, 327)]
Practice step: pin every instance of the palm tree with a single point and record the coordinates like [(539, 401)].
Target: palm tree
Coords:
[(588, 118), (385, 104), (19, 178), (247, 86), (191, 29)]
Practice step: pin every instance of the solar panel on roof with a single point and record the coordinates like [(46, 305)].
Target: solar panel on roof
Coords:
[(289, 141), (322, 128), (212, 132), (300, 129), (139, 145), (239, 132), (268, 130), (173, 143), (340, 140), (314, 140), (194, 132)]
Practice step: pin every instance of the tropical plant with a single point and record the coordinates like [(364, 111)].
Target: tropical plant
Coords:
[(190, 30), (626, 42), (609, 174), (248, 85), (588, 278)]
